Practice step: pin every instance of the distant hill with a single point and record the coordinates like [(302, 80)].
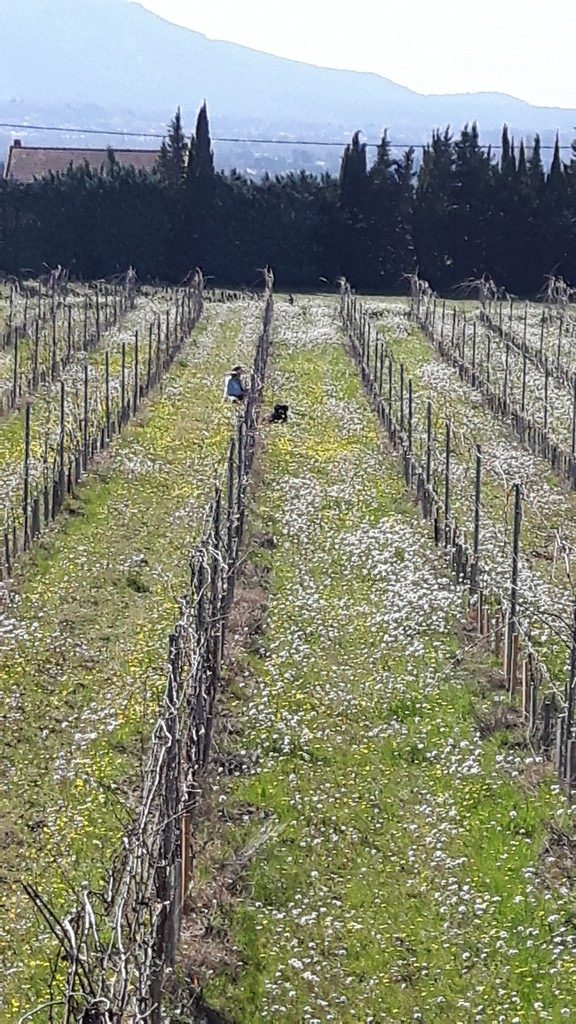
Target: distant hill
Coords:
[(135, 68)]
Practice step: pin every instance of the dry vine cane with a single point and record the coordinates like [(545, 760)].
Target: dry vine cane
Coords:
[(118, 948)]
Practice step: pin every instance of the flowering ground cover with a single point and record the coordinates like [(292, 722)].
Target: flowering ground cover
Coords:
[(553, 329), (73, 307), (83, 643), (45, 417), (548, 539), (403, 877), (551, 408)]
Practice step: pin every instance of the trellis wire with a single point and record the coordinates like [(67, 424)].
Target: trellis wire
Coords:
[(71, 321), (120, 946), (451, 348), (548, 716), (87, 435)]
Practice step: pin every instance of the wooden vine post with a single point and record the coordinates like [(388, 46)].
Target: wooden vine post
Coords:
[(546, 384), (573, 439), (26, 492), (136, 395), (477, 500), (569, 746), (410, 415), (447, 485), (512, 620), (150, 345), (62, 455), (429, 442), (123, 383), (15, 371), (85, 418), (107, 392)]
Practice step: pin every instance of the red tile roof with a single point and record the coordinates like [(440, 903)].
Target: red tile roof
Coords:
[(28, 162)]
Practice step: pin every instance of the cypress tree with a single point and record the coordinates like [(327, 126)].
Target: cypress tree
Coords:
[(471, 204), (389, 218), (201, 157), (526, 270), (379, 207), (201, 234), (384, 162), (508, 157), (522, 169), (354, 243), (404, 241), (535, 168), (353, 176), (556, 217), (172, 157), (556, 175), (433, 235)]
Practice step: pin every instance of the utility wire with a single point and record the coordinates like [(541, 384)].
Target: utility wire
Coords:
[(267, 142), (83, 131)]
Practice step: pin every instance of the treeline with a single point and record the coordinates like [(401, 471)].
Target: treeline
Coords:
[(463, 213)]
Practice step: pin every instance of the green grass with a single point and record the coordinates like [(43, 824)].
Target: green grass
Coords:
[(83, 647), (548, 508), (45, 412), (404, 883)]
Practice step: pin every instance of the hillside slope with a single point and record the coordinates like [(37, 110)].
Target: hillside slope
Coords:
[(118, 54)]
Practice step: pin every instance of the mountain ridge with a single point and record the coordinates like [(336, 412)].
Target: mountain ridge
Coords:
[(142, 59), (136, 67)]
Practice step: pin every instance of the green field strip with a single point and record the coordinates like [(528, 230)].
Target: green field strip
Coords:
[(74, 306), (502, 365), (45, 418), (507, 362), (404, 880), (548, 508), (558, 334), (84, 640)]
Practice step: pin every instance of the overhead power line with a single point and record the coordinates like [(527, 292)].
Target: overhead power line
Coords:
[(81, 131), (217, 138)]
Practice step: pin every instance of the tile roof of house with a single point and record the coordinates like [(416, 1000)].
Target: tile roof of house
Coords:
[(25, 163)]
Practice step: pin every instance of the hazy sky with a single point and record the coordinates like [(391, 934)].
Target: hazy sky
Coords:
[(521, 47)]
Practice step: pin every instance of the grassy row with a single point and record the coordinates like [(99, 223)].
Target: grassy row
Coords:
[(404, 881), (506, 365), (84, 640), (76, 305), (45, 418), (559, 326), (548, 508)]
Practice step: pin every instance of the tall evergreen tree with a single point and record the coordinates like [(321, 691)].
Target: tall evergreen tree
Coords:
[(353, 176), (389, 218), (556, 217), (507, 158), (200, 241), (200, 156), (405, 252), (522, 169), (379, 206), (433, 236), (504, 234), (535, 168), (471, 206), (556, 175), (354, 242), (171, 162), (525, 272)]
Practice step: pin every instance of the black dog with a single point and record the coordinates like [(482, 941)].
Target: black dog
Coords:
[(279, 414)]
